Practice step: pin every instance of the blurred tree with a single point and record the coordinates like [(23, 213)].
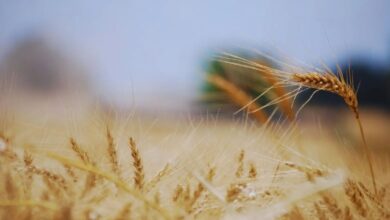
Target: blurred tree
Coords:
[(34, 66), (36, 76)]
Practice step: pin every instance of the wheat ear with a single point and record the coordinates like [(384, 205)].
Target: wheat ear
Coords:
[(338, 85), (83, 155), (139, 174), (331, 83), (112, 152)]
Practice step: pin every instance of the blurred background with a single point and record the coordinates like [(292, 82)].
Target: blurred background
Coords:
[(152, 55)]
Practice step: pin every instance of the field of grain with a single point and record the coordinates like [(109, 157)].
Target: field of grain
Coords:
[(301, 163), (105, 167)]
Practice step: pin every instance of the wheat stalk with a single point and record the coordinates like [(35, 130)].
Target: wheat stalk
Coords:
[(42, 204), (238, 96), (280, 91), (338, 85)]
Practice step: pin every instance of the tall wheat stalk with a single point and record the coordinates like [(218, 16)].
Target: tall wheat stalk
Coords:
[(238, 96), (338, 85)]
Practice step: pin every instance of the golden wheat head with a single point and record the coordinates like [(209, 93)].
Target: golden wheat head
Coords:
[(331, 83)]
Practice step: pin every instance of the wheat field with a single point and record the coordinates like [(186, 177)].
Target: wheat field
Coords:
[(203, 169), (107, 166)]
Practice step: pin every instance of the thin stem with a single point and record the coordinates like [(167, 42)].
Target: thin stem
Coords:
[(43, 204), (367, 151)]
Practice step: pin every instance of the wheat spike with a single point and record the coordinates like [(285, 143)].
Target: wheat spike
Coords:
[(376, 202), (252, 173), (139, 174), (177, 193), (356, 197), (83, 155), (310, 172), (321, 214), (240, 168), (112, 151), (196, 195), (91, 179), (50, 175), (27, 159), (156, 179), (331, 83), (211, 174), (30, 169), (332, 205)]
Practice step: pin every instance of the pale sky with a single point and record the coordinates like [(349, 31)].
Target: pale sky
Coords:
[(143, 51)]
